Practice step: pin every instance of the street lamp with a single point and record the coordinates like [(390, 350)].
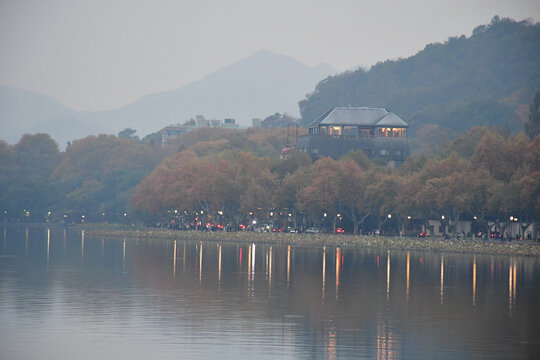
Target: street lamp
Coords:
[(389, 216), (442, 217)]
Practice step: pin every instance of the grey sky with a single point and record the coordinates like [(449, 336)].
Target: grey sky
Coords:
[(103, 54)]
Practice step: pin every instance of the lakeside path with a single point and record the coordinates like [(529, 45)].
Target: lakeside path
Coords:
[(514, 248)]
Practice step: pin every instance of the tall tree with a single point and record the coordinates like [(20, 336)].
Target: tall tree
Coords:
[(36, 155), (532, 127)]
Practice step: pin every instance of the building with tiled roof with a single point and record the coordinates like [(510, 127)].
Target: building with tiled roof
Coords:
[(379, 133)]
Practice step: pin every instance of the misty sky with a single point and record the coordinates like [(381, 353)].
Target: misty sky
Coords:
[(103, 54)]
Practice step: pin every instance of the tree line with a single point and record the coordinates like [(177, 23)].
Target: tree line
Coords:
[(95, 176), (233, 177), (483, 175)]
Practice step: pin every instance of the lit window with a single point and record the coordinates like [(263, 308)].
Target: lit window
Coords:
[(335, 130), (385, 132)]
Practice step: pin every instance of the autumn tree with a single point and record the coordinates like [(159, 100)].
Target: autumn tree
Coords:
[(321, 195), (500, 157), (381, 192), (352, 184), (118, 165)]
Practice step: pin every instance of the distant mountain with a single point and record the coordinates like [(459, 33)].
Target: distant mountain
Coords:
[(488, 78), (30, 112), (257, 86)]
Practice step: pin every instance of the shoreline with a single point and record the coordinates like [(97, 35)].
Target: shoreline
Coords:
[(437, 245)]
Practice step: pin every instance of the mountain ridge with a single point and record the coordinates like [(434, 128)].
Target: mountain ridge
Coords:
[(488, 78), (256, 86)]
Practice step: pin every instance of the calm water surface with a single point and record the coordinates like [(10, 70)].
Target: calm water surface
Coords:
[(66, 296)]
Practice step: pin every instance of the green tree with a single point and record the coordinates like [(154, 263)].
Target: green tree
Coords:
[(36, 155), (532, 126), (128, 133)]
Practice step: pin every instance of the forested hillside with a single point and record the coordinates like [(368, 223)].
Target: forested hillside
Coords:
[(488, 78)]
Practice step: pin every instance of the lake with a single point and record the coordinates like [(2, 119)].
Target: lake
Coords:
[(64, 295)]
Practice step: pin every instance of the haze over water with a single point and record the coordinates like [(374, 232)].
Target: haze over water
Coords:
[(66, 296)]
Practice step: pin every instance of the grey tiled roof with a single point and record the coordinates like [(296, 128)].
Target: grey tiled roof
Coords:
[(392, 120), (360, 116)]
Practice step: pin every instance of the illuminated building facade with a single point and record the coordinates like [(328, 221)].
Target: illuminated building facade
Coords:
[(379, 133)]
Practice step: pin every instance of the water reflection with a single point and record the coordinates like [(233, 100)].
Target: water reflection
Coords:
[(331, 347), (442, 279), (388, 278), (512, 274), (474, 282), (323, 272), (386, 343), (219, 264), (288, 265), (251, 270), (338, 266), (48, 246), (123, 254), (200, 263), (285, 314), (240, 259), (82, 245), (184, 259), (408, 274), (174, 259), (270, 258)]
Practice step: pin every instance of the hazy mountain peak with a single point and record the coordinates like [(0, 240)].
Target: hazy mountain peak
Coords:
[(259, 85)]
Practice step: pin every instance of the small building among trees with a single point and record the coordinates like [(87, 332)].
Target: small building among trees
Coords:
[(379, 133)]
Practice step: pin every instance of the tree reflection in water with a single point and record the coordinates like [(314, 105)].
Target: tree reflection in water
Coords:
[(282, 301)]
